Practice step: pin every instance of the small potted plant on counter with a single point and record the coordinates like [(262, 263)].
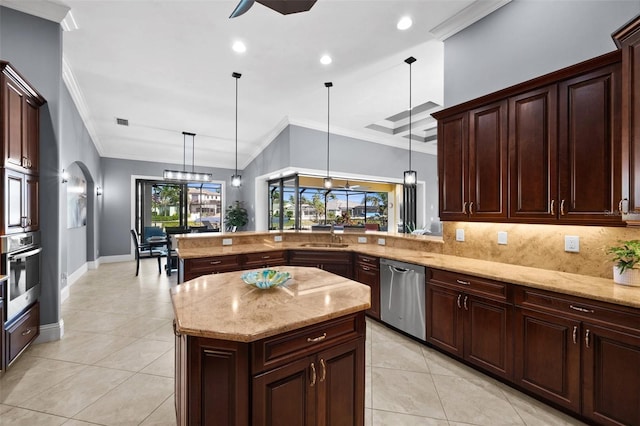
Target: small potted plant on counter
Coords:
[(626, 269), (236, 216)]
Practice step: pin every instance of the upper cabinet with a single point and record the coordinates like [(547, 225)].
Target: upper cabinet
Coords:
[(628, 40), (19, 121), (544, 151)]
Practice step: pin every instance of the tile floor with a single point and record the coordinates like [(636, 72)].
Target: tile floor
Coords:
[(114, 366)]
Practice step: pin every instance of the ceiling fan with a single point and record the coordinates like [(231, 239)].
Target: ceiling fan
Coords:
[(350, 187), (284, 7)]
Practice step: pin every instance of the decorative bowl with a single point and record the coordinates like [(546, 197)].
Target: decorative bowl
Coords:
[(266, 278)]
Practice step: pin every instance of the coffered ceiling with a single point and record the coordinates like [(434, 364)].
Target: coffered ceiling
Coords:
[(166, 65)]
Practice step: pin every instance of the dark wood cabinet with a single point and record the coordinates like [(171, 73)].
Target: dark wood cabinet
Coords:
[(264, 259), (21, 208), (367, 271), (471, 318), (453, 166), (2, 320), (21, 332), (337, 262), (191, 268)]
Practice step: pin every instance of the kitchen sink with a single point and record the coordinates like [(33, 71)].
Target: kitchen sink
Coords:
[(335, 245)]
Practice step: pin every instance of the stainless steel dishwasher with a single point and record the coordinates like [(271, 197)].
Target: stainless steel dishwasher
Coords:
[(402, 297)]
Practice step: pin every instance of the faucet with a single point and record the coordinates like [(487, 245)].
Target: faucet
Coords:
[(335, 237)]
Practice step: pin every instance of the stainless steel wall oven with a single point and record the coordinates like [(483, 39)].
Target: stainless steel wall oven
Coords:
[(21, 262)]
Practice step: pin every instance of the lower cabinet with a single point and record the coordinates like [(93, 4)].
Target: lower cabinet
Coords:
[(264, 259), (338, 262), (367, 271), (311, 376), (21, 332), (193, 268)]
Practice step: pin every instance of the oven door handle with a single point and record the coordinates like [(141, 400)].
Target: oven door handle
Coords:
[(26, 254)]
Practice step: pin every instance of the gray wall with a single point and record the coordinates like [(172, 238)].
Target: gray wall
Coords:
[(115, 210), (527, 38), (34, 48)]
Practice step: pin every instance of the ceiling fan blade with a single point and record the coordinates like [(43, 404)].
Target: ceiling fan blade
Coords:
[(241, 8), (287, 7)]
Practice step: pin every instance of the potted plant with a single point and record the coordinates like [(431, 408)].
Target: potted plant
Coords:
[(626, 269), (236, 216)]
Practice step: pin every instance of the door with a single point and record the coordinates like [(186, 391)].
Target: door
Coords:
[(611, 376), (444, 319), (14, 123), (370, 276), (533, 155), (589, 158), (488, 162), (547, 356), (453, 167)]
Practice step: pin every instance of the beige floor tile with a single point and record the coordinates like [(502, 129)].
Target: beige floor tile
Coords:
[(367, 387), (5, 408), (95, 321), (77, 392), (535, 413), (164, 332), (141, 327), (475, 401), (164, 415), (397, 354), (130, 403), (81, 347), (387, 418), (135, 356), (22, 417), (74, 422), (368, 421), (405, 392), (163, 366), (443, 365)]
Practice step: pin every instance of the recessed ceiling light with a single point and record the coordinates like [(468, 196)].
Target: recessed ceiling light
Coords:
[(326, 60), (404, 23), (239, 47)]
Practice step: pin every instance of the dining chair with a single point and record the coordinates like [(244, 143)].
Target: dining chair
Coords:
[(144, 250)]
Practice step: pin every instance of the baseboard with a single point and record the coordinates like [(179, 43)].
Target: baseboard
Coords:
[(50, 332), (117, 258), (75, 275), (64, 294), (94, 264)]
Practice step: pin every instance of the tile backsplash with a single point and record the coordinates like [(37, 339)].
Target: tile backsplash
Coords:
[(540, 246)]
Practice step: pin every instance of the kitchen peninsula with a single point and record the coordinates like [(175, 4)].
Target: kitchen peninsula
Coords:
[(250, 356)]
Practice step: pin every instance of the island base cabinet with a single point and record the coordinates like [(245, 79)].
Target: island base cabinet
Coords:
[(611, 377)]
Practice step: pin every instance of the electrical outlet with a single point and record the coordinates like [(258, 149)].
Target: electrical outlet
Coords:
[(362, 240), (227, 241), (277, 238), (459, 234), (502, 238), (572, 243), (381, 241)]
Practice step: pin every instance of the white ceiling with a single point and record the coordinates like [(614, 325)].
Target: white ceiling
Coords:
[(165, 65)]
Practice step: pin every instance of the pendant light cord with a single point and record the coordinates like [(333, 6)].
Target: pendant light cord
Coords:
[(328, 106), (410, 117), (237, 125)]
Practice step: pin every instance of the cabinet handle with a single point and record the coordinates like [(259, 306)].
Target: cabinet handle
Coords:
[(459, 305), (471, 207), (365, 259), (313, 374), (620, 205), (464, 208), (575, 334), (323, 375), (317, 339), (579, 309), (266, 257), (466, 308), (215, 262), (562, 208), (586, 338), (364, 268), (26, 333), (553, 207), (463, 282)]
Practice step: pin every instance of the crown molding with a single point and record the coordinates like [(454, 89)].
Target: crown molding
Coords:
[(45, 9), (467, 16)]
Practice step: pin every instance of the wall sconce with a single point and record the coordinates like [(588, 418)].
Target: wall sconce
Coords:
[(64, 176), (98, 190)]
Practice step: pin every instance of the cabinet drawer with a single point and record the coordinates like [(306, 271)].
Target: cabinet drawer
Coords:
[(470, 284), (311, 257), (281, 349), (259, 260), (579, 308), (368, 261), (23, 331), (213, 264)]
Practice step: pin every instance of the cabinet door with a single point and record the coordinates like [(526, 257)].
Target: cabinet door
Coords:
[(453, 167), (589, 155), (14, 123), (31, 206), (487, 335), (444, 318), (611, 376), (341, 385), (342, 269), (31, 136), (488, 162), (370, 276), (14, 212), (533, 190), (286, 395), (547, 357)]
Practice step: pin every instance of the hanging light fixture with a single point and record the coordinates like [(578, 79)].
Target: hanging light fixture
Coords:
[(183, 175), (328, 183), (236, 179), (410, 176)]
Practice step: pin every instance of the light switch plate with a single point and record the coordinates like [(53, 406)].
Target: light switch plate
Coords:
[(459, 234), (502, 238), (227, 241), (362, 240), (381, 241), (572, 243), (277, 238)]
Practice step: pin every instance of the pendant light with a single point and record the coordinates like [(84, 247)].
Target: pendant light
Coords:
[(410, 176), (236, 179), (328, 183), (183, 175)]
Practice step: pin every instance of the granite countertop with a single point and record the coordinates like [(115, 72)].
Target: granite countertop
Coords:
[(563, 282), (222, 306)]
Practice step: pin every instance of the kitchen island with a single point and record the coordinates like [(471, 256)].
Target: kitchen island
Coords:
[(292, 354)]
